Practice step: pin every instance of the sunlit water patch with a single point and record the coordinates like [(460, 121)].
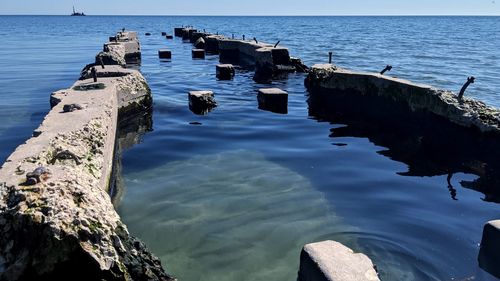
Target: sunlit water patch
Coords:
[(228, 216)]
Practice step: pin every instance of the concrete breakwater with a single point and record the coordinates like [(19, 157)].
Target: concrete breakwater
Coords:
[(268, 60), (57, 220), (435, 132)]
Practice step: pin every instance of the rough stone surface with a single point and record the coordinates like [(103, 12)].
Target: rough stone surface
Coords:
[(332, 261), (65, 225), (201, 102), (489, 254), (417, 97)]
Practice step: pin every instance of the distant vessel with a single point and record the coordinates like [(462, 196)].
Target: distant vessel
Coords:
[(76, 14)]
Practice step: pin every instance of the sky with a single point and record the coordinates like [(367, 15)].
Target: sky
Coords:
[(252, 7)]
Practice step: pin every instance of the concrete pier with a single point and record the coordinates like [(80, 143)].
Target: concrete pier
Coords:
[(57, 221), (394, 95), (268, 60), (332, 261)]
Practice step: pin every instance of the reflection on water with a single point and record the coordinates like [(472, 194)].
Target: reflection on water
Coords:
[(234, 208), (429, 145)]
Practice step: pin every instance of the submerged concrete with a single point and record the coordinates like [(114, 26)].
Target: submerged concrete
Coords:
[(332, 261), (63, 224)]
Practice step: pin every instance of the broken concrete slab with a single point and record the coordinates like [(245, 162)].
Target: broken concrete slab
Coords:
[(273, 99), (201, 102), (489, 253), (225, 71), (332, 261), (403, 95)]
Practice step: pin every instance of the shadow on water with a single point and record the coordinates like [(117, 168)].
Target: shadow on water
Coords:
[(429, 145), (130, 132)]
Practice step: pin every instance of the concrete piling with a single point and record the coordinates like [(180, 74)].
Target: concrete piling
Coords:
[(201, 102), (163, 33), (332, 261), (273, 99), (170, 37), (178, 31), (489, 253), (198, 53), (200, 43), (225, 71), (165, 54)]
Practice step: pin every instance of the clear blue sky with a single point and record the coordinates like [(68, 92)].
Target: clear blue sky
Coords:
[(253, 7)]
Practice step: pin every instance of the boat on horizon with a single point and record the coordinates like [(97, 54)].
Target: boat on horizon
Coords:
[(76, 14)]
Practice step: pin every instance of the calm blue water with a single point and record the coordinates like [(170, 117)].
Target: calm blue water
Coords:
[(236, 197)]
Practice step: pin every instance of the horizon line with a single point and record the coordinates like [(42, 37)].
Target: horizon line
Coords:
[(269, 15)]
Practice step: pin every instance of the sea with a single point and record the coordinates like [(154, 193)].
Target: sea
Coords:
[(235, 194)]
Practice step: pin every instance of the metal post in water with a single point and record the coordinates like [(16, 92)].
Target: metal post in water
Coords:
[(330, 55), (387, 68), (101, 62), (94, 73), (470, 80), (276, 45), (255, 39)]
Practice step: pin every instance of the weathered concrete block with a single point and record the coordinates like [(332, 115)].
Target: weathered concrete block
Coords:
[(489, 254), (273, 99), (212, 43), (165, 54), (178, 31), (281, 56), (201, 102), (198, 53), (200, 43), (225, 71), (112, 54), (332, 261), (405, 95)]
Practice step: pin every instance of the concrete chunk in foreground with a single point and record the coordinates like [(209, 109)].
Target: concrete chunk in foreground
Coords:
[(332, 261), (489, 255)]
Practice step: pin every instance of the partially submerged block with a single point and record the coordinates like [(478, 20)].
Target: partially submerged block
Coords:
[(178, 31), (393, 96), (165, 54), (201, 102), (489, 254), (169, 37), (332, 261), (198, 53), (225, 71), (163, 34), (273, 99)]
